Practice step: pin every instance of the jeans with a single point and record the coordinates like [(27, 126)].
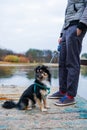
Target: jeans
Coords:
[(69, 60)]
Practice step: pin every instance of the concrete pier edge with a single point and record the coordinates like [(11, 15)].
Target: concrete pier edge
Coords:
[(56, 118)]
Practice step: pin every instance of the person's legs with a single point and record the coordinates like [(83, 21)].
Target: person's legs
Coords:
[(74, 46), (73, 49), (62, 66), (62, 72)]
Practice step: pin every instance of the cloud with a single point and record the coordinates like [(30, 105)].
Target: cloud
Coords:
[(28, 24)]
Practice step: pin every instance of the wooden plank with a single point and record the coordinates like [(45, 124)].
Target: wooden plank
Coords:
[(9, 96)]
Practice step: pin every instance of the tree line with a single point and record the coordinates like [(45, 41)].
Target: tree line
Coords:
[(31, 56)]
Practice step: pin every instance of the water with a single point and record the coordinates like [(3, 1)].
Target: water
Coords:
[(24, 76)]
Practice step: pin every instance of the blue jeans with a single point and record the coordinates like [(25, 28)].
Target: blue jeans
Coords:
[(69, 60)]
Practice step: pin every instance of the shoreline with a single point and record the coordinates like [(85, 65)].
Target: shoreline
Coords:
[(28, 64)]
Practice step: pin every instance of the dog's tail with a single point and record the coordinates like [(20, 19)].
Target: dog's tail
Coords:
[(9, 104)]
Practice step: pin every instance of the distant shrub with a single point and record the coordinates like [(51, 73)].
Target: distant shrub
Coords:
[(11, 58), (23, 59), (16, 59)]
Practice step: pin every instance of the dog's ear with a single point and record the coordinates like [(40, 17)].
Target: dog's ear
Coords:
[(44, 67), (37, 68)]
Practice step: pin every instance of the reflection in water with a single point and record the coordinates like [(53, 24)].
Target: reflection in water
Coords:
[(84, 71), (24, 76), (5, 72)]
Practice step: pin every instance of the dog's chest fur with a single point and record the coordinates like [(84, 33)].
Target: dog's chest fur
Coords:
[(36, 89)]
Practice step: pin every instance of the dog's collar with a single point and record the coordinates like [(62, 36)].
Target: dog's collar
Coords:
[(41, 86)]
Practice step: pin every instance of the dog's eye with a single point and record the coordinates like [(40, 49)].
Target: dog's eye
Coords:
[(37, 71), (41, 71)]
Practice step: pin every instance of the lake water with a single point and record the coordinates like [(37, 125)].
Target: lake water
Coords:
[(24, 76)]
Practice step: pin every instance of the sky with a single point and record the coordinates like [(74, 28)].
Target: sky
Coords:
[(35, 24)]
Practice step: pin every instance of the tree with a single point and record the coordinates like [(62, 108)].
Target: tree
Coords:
[(84, 55), (36, 55), (4, 52)]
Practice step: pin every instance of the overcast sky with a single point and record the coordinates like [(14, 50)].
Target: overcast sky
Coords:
[(26, 24)]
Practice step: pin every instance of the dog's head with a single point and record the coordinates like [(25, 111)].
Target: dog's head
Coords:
[(42, 73)]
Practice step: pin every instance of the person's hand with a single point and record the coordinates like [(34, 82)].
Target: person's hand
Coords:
[(79, 31), (59, 40)]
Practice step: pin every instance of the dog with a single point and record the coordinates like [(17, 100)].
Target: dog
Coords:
[(36, 92)]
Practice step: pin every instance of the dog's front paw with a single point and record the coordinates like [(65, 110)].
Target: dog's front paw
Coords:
[(29, 108), (44, 110), (47, 107)]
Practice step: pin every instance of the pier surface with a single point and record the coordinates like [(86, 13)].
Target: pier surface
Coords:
[(72, 117)]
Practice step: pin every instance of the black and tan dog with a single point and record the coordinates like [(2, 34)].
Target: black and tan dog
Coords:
[(36, 92)]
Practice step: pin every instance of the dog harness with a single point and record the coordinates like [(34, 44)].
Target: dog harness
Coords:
[(41, 86)]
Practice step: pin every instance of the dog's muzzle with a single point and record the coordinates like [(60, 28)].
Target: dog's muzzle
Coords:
[(39, 76)]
